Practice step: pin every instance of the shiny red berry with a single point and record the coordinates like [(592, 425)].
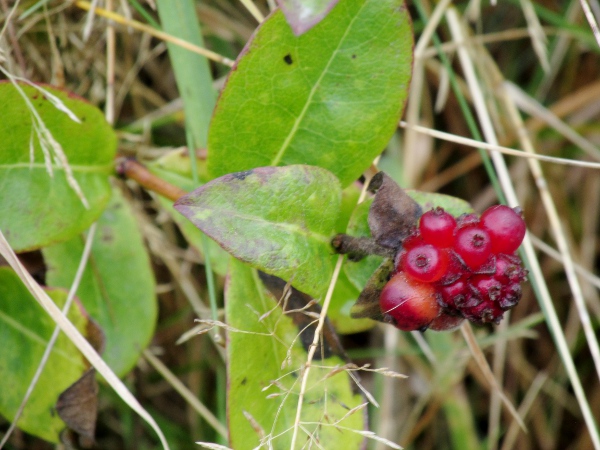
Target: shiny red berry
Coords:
[(484, 312), (424, 262), (509, 270), (505, 226), (486, 287), (410, 303), (473, 245), (412, 240), (467, 220), (437, 228), (453, 296), (510, 296)]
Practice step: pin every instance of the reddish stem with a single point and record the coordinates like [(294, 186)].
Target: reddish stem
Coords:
[(132, 169)]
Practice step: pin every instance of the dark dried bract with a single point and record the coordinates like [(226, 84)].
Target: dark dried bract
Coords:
[(367, 305), (393, 213)]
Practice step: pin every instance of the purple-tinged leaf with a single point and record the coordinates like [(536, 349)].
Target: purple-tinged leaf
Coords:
[(277, 219)]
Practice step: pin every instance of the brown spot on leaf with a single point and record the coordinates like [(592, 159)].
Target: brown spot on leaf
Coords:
[(242, 175)]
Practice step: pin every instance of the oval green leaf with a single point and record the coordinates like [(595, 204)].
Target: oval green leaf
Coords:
[(25, 330), (117, 288), (39, 209), (330, 98), (277, 219), (264, 357)]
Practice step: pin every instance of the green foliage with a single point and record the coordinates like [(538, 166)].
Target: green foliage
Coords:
[(192, 70), (41, 208), (117, 288), (330, 98), (25, 330), (264, 357)]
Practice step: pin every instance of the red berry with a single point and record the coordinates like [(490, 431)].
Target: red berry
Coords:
[(485, 287), (423, 262), (467, 220), (453, 296), (446, 322), (509, 270), (510, 296), (411, 304), (412, 240), (505, 226), (484, 312), (473, 245), (455, 270), (437, 228)]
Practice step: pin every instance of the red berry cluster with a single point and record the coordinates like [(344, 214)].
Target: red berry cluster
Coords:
[(453, 269)]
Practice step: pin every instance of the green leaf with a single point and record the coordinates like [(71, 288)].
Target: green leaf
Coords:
[(330, 98), (429, 200), (258, 355), (25, 329), (39, 209), (302, 15), (277, 219), (344, 297), (350, 197), (192, 71), (359, 272), (117, 288)]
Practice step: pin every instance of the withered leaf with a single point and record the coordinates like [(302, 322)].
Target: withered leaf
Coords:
[(393, 213), (77, 406), (367, 305)]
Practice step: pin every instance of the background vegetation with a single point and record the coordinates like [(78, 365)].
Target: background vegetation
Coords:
[(533, 86)]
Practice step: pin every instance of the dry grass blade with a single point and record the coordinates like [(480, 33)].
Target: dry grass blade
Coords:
[(530, 106), (536, 31), (586, 274), (153, 32), (252, 9), (589, 15), (189, 396), (479, 357), (313, 348), (78, 340), (498, 148)]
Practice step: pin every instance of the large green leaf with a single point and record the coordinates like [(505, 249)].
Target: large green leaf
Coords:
[(277, 219), (25, 330), (330, 98), (263, 361), (39, 209), (117, 288)]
